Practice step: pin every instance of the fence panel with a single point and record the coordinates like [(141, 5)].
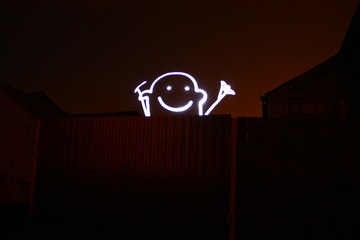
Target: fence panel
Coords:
[(297, 179), (172, 170)]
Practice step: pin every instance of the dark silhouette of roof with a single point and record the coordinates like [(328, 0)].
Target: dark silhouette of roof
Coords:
[(38, 104), (307, 76), (351, 44), (41, 105), (349, 54)]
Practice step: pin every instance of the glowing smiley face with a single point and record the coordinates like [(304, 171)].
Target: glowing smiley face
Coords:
[(175, 92), (178, 92), (175, 109)]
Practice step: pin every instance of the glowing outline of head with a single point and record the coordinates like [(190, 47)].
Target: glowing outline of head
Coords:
[(145, 100)]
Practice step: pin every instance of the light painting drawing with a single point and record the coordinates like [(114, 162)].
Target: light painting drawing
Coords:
[(186, 87)]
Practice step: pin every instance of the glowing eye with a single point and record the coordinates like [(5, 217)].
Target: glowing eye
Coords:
[(168, 88), (187, 88)]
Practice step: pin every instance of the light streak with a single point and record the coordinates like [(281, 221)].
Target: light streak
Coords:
[(175, 109)]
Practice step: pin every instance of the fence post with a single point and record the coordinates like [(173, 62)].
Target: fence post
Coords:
[(34, 164), (232, 204)]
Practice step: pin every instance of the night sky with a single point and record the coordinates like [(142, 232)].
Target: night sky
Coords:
[(90, 55)]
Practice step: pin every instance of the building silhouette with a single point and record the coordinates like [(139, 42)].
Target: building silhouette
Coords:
[(18, 129), (326, 91)]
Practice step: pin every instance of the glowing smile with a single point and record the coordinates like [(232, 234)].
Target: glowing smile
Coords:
[(175, 109)]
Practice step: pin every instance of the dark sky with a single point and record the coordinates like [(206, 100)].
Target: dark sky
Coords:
[(90, 55)]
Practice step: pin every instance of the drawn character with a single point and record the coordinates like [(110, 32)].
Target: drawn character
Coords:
[(177, 92)]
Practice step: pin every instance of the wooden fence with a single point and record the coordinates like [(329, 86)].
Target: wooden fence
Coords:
[(172, 171), (298, 179), (284, 179)]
